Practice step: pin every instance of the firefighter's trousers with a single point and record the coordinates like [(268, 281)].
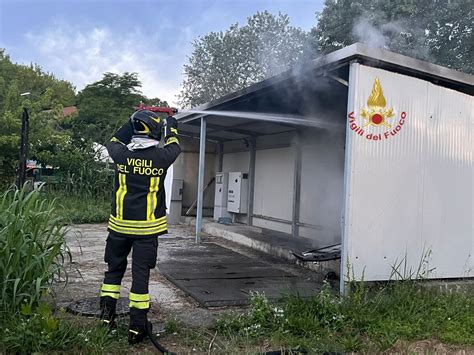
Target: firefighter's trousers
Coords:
[(143, 259)]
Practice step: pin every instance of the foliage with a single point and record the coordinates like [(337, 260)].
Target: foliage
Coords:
[(428, 30), (33, 79), (32, 248), (48, 96), (367, 319), (223, 62), (106, 104), (32, 255), (78, 209), (41, 331), (64, 142)]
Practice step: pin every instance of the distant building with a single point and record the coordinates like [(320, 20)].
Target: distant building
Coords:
[(69, 110)]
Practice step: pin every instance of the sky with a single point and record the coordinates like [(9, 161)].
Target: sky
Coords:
[(79, 40)]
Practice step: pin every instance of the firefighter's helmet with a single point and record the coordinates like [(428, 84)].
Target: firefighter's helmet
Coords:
[(147, 123)]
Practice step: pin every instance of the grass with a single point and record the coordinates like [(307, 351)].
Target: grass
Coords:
[(366, 320), (80, 209), (33, 253), (32, 248), (393, 317), (42, 331)]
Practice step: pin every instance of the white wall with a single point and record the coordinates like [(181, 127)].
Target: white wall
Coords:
[(274, 176), (410, 197), (236, 162), (322, 182), (186, 168)]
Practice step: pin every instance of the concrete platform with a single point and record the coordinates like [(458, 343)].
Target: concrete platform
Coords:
[(215, 275), (277, 244)]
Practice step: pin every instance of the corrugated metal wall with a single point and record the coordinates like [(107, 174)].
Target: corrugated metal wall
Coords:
[(409, 193)]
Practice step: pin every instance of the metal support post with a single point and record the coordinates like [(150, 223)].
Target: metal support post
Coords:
[(296, 185), (23, 148), (220, 156), (252, 151), (200, 187)]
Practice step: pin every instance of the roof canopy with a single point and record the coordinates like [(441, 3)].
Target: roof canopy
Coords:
[(315, 91)]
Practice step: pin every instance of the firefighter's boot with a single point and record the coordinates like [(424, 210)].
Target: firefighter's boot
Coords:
[(136, 334), (138, 323), (107, 311)]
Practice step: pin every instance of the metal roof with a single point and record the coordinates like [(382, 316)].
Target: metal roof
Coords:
[(331, 69)]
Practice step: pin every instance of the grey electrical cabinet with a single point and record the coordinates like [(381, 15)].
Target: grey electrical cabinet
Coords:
[(220, 196), (174, 212), (237, 193)]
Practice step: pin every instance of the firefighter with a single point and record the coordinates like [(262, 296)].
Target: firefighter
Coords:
[(138, 213)]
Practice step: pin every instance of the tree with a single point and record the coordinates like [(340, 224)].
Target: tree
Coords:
[(437, 31), (48, 96), (223, 62), (105, 105)]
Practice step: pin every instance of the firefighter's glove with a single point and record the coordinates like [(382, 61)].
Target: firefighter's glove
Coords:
[(171, 129), (124, 134)]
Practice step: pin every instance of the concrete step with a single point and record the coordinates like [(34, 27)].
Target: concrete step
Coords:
[(277, 244)]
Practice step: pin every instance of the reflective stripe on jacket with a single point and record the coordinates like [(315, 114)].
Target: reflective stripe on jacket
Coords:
[(138, 203)]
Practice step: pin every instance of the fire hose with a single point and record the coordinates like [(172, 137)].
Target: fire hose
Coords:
[(154, 341)]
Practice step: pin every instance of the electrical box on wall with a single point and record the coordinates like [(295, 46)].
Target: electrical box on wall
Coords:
[(174, 210), (237, 195), (220, 197)]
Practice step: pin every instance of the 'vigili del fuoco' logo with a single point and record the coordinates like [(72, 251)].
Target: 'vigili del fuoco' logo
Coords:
[(379, 122)]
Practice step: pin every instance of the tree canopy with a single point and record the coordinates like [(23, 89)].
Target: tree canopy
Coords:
[(48, 96), (55, 138), (437, 31), (104, 105), (223, 62)]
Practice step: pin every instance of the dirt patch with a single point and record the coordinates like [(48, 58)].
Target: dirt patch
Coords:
[(429, 346)]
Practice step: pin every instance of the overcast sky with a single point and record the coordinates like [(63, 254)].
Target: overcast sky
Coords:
[(79, 40)]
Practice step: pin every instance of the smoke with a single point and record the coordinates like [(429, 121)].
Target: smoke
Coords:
[(367, 33), (404, 36)]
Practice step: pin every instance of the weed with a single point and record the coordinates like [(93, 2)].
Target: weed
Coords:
[(172, 326), (76, 209), (367, 319), (41, 331)]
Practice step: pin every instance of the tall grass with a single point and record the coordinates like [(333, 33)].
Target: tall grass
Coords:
[(33, 253), (32, 248), (77, 209), (368, 319), (86, 180)]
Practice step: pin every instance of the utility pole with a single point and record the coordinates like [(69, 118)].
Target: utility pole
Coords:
[(23, 146)]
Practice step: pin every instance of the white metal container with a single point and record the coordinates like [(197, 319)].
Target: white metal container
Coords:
[(408, 179)]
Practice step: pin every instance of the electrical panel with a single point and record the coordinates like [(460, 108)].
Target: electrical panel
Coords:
[(220, 196), (176, 205), (238, 190)]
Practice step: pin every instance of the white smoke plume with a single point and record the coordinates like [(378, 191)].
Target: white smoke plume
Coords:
[(401, 36)]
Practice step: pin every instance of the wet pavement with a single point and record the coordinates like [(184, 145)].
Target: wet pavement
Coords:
[(217, 276)]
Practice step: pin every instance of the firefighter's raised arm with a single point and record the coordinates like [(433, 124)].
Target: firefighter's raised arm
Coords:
[(119, 141), (171, 150)]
